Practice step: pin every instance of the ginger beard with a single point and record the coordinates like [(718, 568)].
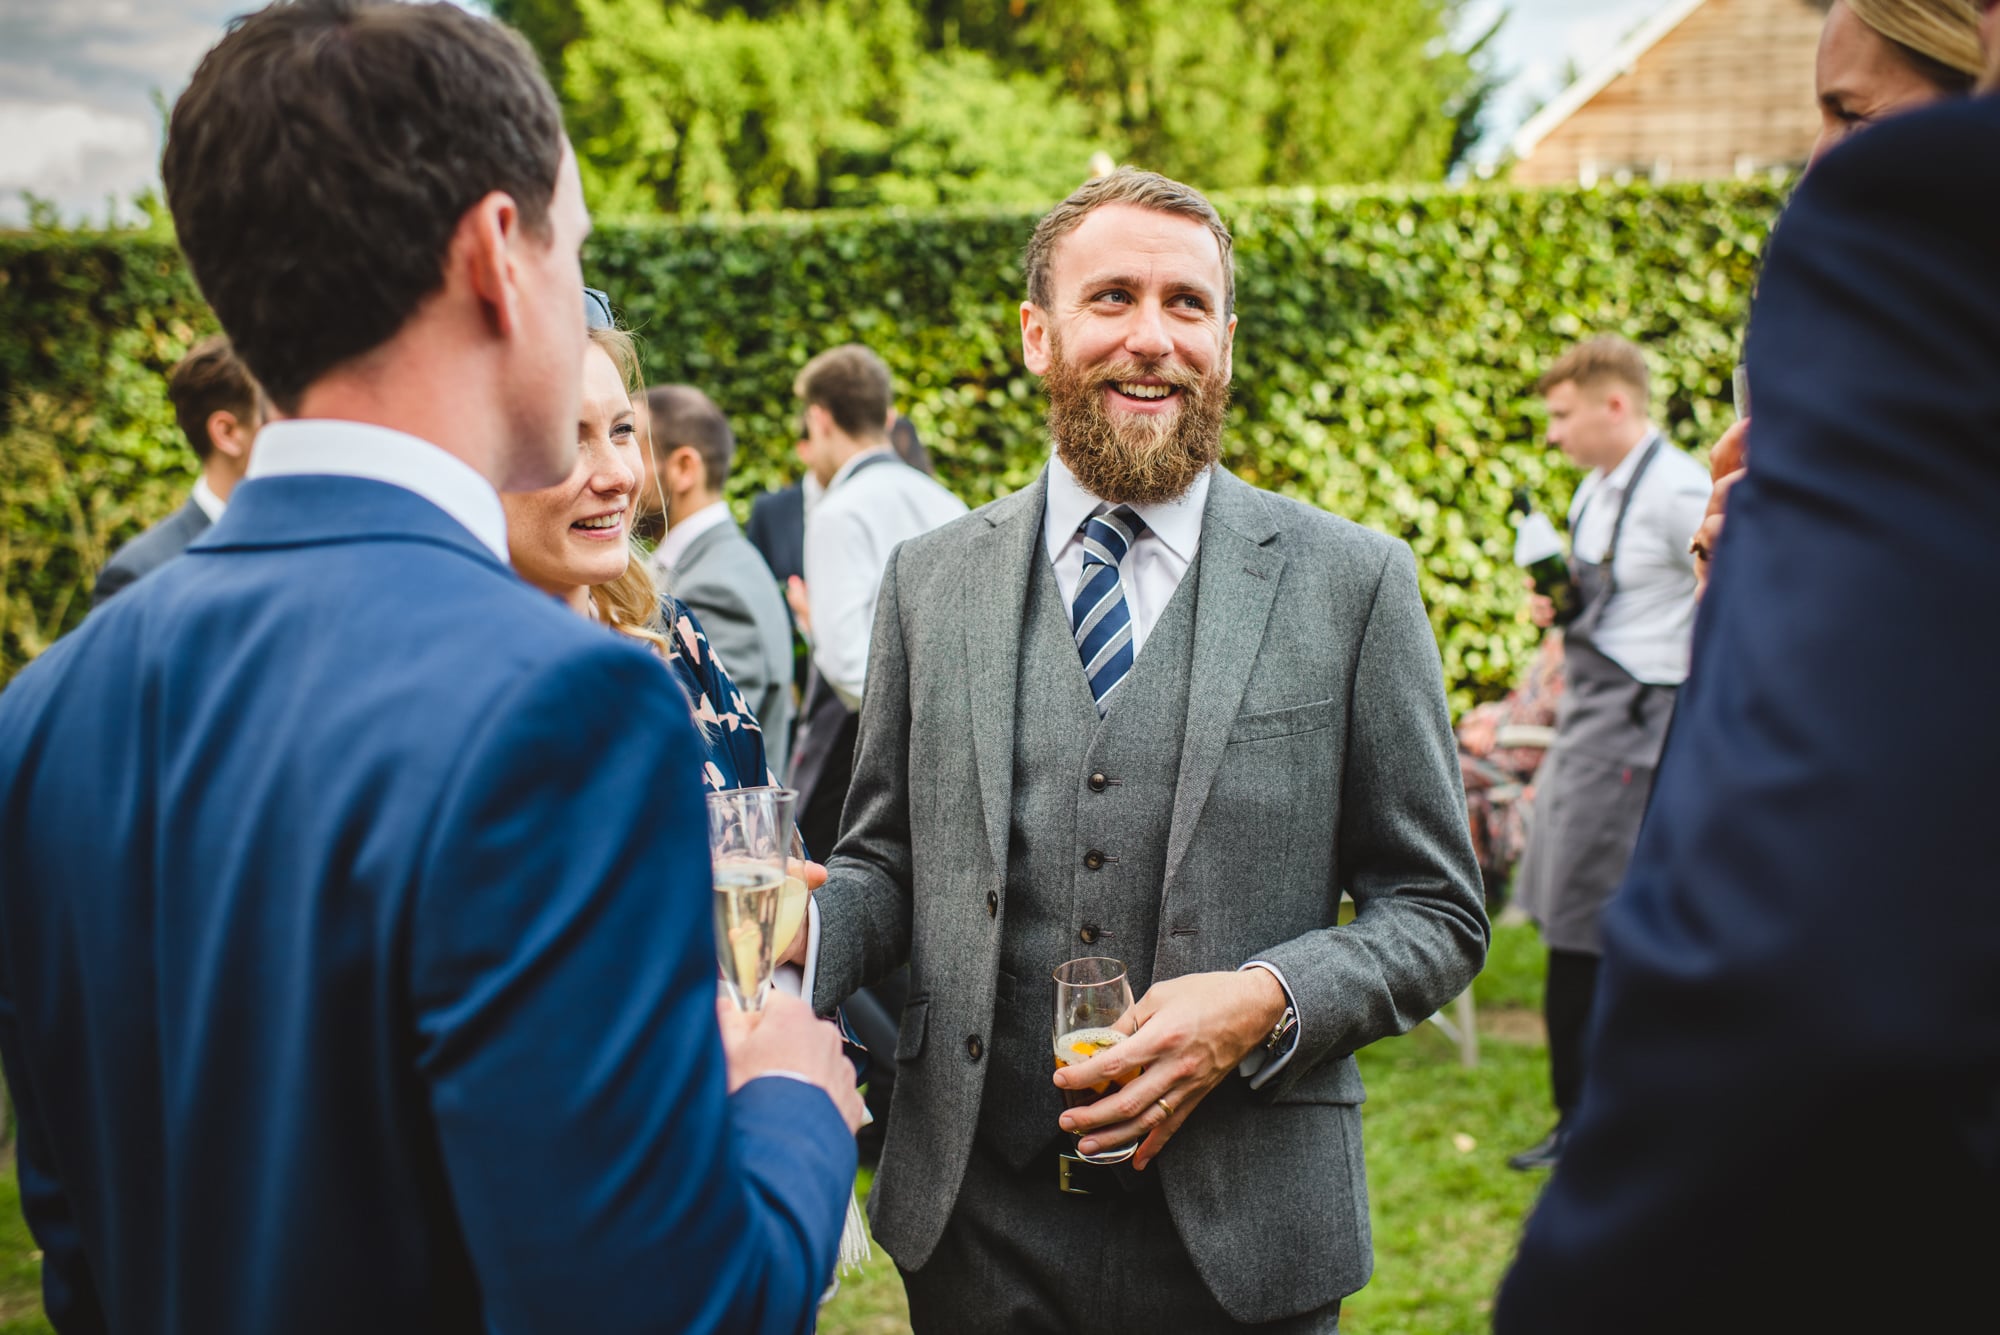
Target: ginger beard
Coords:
[(1129, 458)]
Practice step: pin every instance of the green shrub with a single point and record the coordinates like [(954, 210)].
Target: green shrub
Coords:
[(1385, 362)]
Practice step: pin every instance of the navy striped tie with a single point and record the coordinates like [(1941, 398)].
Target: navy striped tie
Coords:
[(1100, 618)]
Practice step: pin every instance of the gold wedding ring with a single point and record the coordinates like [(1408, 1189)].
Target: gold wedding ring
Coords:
[(1164, 1107)]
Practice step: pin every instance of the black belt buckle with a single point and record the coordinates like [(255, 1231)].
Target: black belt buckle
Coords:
[(1080, 1177)]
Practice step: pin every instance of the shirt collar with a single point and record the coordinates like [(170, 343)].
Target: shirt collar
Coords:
[(681, 536), (207, 501), (1621, 477), (1175, 523), (847, 468), (331, 448)]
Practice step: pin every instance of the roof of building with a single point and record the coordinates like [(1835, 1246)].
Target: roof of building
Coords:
[(1599, 76)]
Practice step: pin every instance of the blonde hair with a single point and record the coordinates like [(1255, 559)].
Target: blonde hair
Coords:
[(1942, 34), (631, 602)]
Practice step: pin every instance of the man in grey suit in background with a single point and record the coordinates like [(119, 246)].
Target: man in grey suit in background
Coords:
[(220, 409), (1143, 710), (712, 567)]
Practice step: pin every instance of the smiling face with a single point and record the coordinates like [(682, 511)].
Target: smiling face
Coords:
[(1860, 78), (1135, 350), (566, 538)]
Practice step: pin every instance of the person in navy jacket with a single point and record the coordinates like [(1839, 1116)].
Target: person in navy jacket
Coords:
[(1792, 1116), (356, 962)]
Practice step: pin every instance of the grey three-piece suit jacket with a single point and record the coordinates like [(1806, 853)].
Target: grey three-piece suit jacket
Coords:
[(1281, 738), (725, 580)]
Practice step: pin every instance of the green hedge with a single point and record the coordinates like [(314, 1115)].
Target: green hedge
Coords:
[(1385, 362)]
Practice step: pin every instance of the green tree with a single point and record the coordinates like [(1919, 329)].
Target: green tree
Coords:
[(699, 105), (835, 104)]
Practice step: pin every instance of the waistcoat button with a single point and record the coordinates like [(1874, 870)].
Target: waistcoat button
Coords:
[(974, 1048), (1093, 859), (1097, 782), (992, 904), (1089, 933)]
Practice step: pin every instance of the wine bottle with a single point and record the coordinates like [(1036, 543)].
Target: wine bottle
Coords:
[(1538, 549)]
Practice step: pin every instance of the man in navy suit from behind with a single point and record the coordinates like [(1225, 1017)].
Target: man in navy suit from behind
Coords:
[(1792, 1118), (356, 967)]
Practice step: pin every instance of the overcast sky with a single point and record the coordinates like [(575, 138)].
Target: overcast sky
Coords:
[(77, 79)]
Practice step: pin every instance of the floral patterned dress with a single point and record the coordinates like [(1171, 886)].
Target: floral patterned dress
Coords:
[(734, 740)]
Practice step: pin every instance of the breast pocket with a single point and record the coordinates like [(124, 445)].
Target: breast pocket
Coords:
[(1282, 722)]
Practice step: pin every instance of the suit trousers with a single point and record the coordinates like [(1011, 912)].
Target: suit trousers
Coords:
[(1566, 1003), (1020, 1257)]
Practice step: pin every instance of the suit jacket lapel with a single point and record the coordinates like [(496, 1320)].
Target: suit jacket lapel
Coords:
[(1237, 582), (995, 595)]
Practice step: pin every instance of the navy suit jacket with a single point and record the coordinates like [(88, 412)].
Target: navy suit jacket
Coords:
[(1792, 1116), (150, 550), (777, 529), (356, 962)]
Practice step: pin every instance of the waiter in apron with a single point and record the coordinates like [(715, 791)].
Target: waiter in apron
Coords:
[(1626, 654)]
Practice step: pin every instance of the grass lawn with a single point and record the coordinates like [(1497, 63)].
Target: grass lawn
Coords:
[(1446, 1208)]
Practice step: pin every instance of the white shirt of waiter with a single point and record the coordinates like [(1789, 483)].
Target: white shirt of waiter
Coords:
[(872, 503), (1648, 627)]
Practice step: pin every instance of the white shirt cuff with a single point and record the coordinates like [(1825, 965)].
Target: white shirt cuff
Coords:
[(796, 981), (1261, 1067)]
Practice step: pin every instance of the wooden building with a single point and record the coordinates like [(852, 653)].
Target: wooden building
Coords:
[(1703, 90)]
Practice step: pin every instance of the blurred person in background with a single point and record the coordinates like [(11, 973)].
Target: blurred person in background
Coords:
[(1877, 59), (1793, 1106), (1624, 657), (712, 568), (220, 409), (871, 501)]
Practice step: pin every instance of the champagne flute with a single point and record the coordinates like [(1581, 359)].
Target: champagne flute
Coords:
[(749, 834), (1092, 995), (793, 898)]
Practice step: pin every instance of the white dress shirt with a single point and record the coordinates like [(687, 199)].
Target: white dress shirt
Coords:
[(682, 535), (1154, 564), (850, 533), (353, 449), (207, 501), (1648, 627)]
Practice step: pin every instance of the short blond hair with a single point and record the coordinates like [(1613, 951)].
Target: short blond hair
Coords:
[(1597, 361), (1127, 185)]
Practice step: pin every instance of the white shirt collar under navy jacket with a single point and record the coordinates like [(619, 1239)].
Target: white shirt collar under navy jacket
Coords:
[(329, 448)]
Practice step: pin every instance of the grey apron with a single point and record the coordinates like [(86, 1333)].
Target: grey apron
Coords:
[(1591, 791)]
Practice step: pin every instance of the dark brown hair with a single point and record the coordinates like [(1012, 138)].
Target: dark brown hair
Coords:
[(1596, 360), (853, 384), (210, 379), (1127, 185), (683, 415), (319, 164)]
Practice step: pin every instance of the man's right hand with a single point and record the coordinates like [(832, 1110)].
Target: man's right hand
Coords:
[(786, 1037)]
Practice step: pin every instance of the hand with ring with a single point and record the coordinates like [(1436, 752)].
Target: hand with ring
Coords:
[(1188, 1034)]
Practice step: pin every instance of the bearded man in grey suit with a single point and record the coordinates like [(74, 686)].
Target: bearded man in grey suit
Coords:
[(1140, 709)]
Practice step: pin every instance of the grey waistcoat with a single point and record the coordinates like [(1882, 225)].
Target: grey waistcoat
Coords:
[(1086, 791)]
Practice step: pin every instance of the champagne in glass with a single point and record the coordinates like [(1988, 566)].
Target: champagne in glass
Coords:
[(750, 833), (793, 897), (746, 925), (1091, 996)]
